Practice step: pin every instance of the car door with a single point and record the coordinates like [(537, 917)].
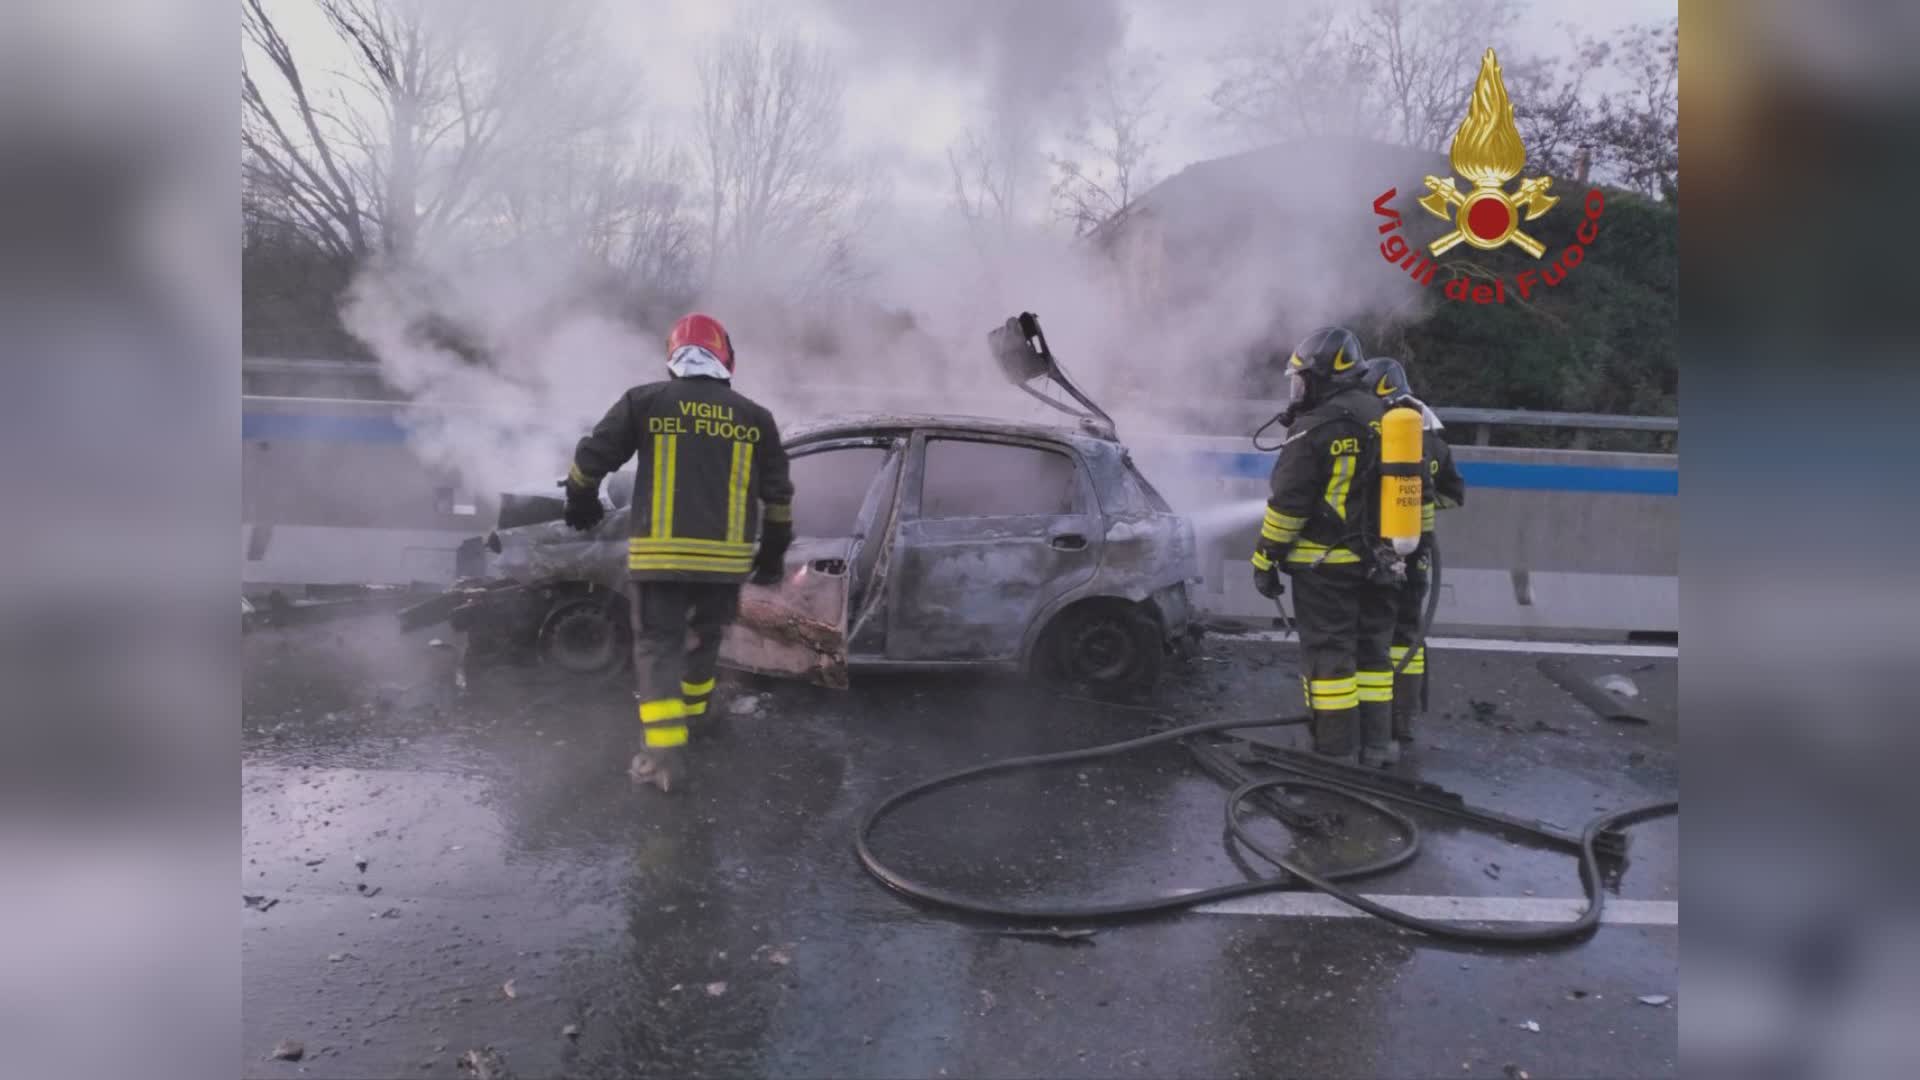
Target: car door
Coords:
[(991, 529), (798, 628)]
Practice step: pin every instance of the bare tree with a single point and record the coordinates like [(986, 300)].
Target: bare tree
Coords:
[(1423, 54), (983, 192), (1301, 79), (1637, 131), (1111, 159), (1396, 69), (415, 138), (1553, 107), (781, 197)]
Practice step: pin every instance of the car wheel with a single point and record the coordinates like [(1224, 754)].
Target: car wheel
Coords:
[(585, 636), (1110, 647)]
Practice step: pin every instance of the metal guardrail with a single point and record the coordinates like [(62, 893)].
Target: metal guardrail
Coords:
[(281, 371)]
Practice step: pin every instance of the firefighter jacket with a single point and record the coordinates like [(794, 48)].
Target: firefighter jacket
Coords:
[(710, 469), (1325, 486)]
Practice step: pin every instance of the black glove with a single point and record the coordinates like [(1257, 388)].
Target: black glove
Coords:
[(770, 562), (583, 508), (1268, 581)]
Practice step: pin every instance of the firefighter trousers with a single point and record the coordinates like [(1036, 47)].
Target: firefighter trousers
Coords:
[(1346, 635), (1410, 685), (676, 652)]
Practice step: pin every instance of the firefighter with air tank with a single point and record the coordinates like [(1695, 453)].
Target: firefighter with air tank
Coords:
[(1445, 488), (1342, 517)]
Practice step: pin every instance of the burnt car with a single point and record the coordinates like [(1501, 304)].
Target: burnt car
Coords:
[(920, 542)]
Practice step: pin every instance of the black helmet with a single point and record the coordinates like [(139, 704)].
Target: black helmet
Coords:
[(1387, 378), (1327, 359)]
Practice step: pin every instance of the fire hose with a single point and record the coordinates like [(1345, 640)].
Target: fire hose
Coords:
[(1292, 875)]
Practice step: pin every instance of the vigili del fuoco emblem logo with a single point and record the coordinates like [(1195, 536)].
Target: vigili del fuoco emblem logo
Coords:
[(1487, 151)]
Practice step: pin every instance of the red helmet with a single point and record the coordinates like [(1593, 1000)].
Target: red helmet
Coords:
[(704, 331)]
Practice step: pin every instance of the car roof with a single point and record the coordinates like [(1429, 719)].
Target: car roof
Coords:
[(855, 425)]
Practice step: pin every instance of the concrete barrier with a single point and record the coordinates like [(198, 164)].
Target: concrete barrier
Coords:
[(1558, 541)]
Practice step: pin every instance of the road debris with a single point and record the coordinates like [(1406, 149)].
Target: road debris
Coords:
[(1051, 933), (258, 903), (439, 643), (487, 1064), (1655, 999), (1515, 1072), (1532, 1025), (1618, 684), (360, 863), (715, 989), (1606, 704), (334, 958), (987, 1001), (290, 1050), (507, 989), (745, 705), (571, 1031), (316, 862), (1492, 870)]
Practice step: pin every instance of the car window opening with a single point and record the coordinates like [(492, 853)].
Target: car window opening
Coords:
[(964, 479)]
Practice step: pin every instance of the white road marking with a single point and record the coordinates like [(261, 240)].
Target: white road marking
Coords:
[(1576, 648), (1505, 909)]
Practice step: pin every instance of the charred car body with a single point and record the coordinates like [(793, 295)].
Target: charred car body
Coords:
[(920, 542)]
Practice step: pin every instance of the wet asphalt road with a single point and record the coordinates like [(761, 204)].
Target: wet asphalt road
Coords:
[(727, 930)]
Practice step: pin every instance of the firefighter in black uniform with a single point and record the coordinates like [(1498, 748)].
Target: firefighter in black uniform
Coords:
[(1321, 528), (1443, 490), (711, 479)]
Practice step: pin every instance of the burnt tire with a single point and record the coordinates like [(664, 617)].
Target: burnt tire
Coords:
[(586, 635), (1112, 649)]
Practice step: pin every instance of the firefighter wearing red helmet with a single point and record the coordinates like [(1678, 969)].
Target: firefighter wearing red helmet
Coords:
[(712, 508)]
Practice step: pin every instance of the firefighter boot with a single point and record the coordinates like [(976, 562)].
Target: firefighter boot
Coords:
[(664, 726), (1406, 705), (1377, 747), (1333, 732), (663, 769)]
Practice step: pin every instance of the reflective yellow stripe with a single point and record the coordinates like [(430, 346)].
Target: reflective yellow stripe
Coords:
[(1285, 521), (666, 735), (696, 689), (1426, 518), (697, 563), (654, 517), (691, 545), (737, 491), (1375, 685), (779, 512), (1397, 652), (1328, 694), (662, 709), (578, 478), (666, 503), (1306, 551), (1261, 562), (1338, 483), (1277, 534)]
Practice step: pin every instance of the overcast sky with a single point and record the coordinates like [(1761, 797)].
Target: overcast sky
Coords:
[(920, 72)]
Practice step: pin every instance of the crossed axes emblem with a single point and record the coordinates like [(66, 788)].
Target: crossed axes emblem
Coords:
[(1444, 199)]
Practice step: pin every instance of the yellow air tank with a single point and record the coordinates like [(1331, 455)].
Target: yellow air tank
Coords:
[(1400, 446)]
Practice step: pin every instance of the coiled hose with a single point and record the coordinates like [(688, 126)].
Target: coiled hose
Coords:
[(1292, 875)]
